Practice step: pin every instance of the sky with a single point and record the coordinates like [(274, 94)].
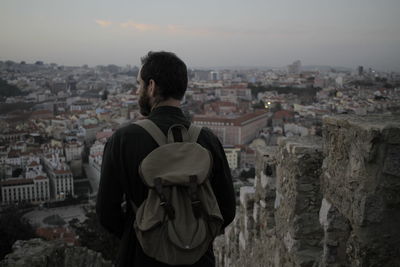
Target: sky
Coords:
[(206, 33)]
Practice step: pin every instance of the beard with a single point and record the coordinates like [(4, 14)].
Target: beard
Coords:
[(144, 104)]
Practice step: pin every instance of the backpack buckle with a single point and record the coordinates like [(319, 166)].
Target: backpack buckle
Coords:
[(169, 209), (196, 203)]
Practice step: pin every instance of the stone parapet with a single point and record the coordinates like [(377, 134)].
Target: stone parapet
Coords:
[(38, 253), (361, 180), (298, 199), (322, 202)]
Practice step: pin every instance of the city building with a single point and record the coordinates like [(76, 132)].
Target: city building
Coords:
[(81, 106), (233, 93), (31, 186), (232, 155), (60, 175), (234, 130), (34, 190), (295, 67), (73, 150)]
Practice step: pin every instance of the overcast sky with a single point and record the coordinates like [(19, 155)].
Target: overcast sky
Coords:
[(204, 33)]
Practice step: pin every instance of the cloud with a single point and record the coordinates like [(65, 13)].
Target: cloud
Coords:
[(174, 29), (140, 26), (103, 23), (181, 30), (167, 29)]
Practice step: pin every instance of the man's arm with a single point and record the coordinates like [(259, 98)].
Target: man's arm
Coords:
[(222, 180), (109, 196)]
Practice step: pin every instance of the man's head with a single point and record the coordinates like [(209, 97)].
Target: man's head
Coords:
[(163, 76)]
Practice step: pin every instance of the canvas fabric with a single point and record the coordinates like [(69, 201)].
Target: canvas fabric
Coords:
[(180, 217)]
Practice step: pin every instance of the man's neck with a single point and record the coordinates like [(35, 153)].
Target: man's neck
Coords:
[(172, 102)]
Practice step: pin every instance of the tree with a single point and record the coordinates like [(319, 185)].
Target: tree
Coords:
[(248, 173), (104, 95), (93, 236), (13, 227), (276, 107), (259, 105), (7, 90)]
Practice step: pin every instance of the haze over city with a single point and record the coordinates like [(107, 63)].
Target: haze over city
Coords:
[(204, 33)]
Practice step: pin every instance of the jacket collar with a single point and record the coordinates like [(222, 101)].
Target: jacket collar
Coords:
[(166, 110)]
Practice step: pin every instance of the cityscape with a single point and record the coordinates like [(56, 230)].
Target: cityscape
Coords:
[(304, 97), (55, 121)]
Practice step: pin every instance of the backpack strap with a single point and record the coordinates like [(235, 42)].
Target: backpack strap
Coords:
[(134, 207), (194, 196), (184, 133), (194, 132), (153, 130)]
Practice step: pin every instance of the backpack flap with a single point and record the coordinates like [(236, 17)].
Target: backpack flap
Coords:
[(174, 163), (185, 231)]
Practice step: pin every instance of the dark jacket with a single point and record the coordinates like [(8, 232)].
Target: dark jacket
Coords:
[(119, 176)]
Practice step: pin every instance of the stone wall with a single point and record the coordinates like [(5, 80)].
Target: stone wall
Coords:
[(330, 201), (361, 188), (39, 253)]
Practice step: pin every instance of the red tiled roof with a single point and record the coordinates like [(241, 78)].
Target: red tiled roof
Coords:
[(14, 182), (237, 121), (42, 112), (62, 171), (283, 114), (13, 154), (33, 163), (236, 86), (224, 104), (90, 126), (101, 135)]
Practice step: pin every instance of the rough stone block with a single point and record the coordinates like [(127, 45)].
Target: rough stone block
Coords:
[(392, 161), (298, 198), (38, 252), (354, 150), (246, 193), (361, 180)]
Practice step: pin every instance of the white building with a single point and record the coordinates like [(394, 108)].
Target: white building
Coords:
[(81, 106), (13, 159), (233, 93), (89, 131), (232, 155), (60, 175), (33, 190), (73, 150), (62, 183), (34, 187), (96, 157)]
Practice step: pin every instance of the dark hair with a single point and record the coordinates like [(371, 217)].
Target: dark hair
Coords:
[(168, 72)]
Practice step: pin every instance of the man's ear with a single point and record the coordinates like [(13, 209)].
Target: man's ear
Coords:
[(152, 88)]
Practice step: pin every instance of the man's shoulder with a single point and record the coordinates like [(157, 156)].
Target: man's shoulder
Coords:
[(208, 135), (130, 129)]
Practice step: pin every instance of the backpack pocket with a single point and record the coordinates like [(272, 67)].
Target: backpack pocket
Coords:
[(150, 214)]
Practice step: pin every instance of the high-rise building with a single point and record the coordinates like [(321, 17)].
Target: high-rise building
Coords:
[(295, 67), (214, 76), (360, 70)]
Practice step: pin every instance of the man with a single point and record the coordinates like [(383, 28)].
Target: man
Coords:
[(163, 82)]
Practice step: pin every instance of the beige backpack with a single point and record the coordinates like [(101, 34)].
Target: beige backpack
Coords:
[(180, 218)]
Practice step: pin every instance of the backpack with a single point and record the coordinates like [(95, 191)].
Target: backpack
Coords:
[(180, 217)]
